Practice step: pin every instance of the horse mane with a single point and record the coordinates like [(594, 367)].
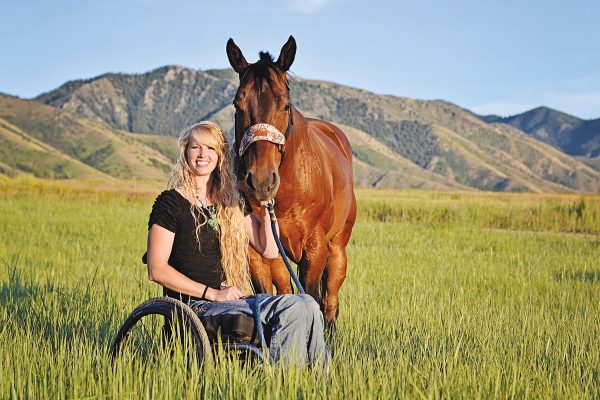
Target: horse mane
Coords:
[(261, 70), (266, 56)]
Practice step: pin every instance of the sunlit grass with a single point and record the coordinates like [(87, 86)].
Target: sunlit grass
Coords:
[(448, 295)]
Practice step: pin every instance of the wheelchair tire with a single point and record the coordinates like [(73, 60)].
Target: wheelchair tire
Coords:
[(167, 307)]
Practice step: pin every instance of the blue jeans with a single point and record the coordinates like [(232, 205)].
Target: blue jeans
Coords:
[(295, 321)]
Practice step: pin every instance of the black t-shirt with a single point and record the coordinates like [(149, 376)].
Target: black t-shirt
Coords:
[(202, 264)]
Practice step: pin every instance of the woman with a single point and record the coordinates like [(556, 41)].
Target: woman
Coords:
[(197, 248)]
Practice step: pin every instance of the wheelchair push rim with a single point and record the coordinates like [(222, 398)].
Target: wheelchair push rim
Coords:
[(169, 307)]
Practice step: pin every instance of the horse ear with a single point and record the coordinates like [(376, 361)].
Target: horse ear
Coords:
[(288, 52), (236, 58)]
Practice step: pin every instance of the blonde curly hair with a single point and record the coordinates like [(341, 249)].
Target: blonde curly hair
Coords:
[(224, 192)]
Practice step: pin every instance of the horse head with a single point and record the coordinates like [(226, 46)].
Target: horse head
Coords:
[(263, 118)]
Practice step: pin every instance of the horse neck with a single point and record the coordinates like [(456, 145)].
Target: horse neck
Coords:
[(297, 138), (299, 144)]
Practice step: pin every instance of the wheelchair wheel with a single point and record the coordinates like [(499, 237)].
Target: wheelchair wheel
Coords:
[(174, 313)]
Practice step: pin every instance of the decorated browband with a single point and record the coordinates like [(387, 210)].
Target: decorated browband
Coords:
[(261, 132)]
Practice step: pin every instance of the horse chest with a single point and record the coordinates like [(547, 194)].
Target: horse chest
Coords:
[(294, 234)]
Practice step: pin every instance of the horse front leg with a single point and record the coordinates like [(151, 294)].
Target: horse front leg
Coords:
[(281, 276), (260, 272), (334, 276), (312, 265), (335, 270)]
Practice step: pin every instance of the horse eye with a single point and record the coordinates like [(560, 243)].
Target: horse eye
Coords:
[(287, 107)]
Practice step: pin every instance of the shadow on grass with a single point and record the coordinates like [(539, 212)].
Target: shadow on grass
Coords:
[(54, 313), (58, 316), (581, 276)]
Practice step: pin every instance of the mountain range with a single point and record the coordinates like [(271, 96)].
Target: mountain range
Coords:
[(570, 134), (123, 126)]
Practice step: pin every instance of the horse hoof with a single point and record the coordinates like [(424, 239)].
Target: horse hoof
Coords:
[(330, 329)]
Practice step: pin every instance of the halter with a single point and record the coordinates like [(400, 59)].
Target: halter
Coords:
[(262, 132), (266, 132)]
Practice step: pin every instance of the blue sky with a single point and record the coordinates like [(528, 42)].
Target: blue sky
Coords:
[(501, 57)]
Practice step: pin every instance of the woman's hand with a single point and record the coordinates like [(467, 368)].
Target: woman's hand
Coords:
[(265, 203), (260, 234), (225, 294)]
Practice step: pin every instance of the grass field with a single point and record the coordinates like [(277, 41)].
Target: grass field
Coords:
[(448, 295)]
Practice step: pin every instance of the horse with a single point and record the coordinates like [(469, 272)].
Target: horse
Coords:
[(305, 166)]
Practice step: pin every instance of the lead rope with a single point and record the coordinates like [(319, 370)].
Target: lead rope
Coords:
[(260, 296), (259, 327), (270, 206), (271, 209)]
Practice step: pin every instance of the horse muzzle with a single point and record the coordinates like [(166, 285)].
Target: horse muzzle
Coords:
[(262, 188)]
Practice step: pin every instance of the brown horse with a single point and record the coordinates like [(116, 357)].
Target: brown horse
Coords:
[(304, 164)]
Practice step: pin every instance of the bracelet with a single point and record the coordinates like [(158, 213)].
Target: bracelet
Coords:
[(204, 293)]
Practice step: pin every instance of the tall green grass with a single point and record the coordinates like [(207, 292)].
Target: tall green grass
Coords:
[(512, 211), (440, 301)]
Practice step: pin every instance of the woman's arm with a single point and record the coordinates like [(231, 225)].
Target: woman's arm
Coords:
[(260, 234), (160, 243)]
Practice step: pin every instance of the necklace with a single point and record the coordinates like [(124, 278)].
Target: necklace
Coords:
[(211, 210)]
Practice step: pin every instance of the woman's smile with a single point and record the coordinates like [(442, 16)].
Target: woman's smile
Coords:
[(202, 156)]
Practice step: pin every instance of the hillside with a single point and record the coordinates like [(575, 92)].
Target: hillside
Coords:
[(49, 142), (449, 147), (22, 153), (376, 165), (570, 134)]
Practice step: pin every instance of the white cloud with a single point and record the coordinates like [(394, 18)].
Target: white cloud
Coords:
[(307, 6)]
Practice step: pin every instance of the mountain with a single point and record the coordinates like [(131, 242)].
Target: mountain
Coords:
[(161, 101), (49, 142), (397, 142), (570, 134)]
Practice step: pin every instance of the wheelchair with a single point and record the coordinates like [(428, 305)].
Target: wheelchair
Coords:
[(237, 333)]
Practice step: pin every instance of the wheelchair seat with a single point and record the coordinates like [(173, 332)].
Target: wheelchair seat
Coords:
[(236, 328)]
